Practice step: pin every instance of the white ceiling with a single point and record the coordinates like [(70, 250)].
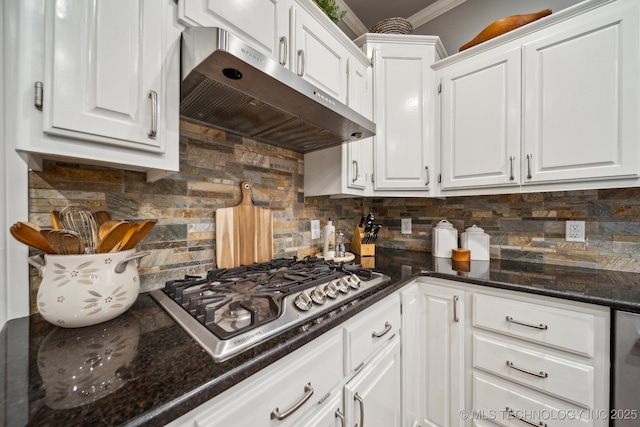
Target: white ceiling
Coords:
[(364, 14)]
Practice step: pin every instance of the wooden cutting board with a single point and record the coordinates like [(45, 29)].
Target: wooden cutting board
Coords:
[(244, 233)]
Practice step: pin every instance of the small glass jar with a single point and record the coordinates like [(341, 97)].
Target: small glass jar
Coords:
[(340, 249)]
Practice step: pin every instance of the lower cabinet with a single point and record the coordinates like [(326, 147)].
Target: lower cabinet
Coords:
[(499, 357)]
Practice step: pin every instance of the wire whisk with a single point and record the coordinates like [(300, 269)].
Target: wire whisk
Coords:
[(79, 218)]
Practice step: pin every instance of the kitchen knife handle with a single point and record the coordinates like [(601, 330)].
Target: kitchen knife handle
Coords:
[(356, 175), (362, 220), (529, 156), (301, 62), (283, 51), (153, 96), (511, 159), (308, 392)]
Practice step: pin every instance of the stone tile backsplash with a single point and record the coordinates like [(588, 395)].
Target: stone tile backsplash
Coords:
[(526, 227)]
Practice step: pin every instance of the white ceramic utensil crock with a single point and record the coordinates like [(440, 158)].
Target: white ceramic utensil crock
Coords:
[(83, 290), (445, 239)]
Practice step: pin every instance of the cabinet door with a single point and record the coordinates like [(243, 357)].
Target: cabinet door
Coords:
[(581, 97), (443, 350), (330, 413), (481, 121), (372, 398), (103, 71), (262, 23), (318, 56), (359, 152), (401, 94)]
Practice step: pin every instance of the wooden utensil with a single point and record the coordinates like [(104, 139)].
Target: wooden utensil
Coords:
[(55, 220), (141, 230), (29, 234), (65, 242), (244, 233), (101, 217), (113, 233)]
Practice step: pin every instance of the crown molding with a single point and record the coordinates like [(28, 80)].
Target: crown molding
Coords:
[(433, 11), (351, 20)]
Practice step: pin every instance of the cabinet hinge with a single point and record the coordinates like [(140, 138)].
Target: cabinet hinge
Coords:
[(439, 88), (439, 178), (38, 97)]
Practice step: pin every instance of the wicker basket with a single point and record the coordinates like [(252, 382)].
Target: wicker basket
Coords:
[(392, 26)]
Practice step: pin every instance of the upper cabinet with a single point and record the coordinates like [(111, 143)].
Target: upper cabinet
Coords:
[(262, 23), (104, 76), (404, 107), (556, 108)]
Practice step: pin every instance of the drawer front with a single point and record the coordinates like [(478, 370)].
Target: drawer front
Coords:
[(564, 329), (505, 406), (312, 371), (369, 331), (559, 377)]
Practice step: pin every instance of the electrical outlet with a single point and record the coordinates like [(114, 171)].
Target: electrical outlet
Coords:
[(315, 229), (575, 231), (406, 225)]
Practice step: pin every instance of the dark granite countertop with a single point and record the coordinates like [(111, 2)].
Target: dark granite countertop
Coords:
[(148, 371)]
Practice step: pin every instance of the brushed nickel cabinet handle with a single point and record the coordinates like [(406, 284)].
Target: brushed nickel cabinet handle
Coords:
[(283, 51), (455, 309), (37, 102), (153, 96), (308, 392), (301, 62), (524, 420), (356, 174), (428, 179), (529, 157), (387, 328), (529, 325), (340, 415), (511, 177), (361, 402), (526, 371)]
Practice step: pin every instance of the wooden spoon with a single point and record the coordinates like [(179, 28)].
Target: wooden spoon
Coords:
[(114, 234), (102, 217), (30, 234), (55, 220), (65, 242), (140, 232)]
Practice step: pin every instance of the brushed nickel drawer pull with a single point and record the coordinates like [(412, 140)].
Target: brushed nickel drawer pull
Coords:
[(526, 371), (356, 174), (524, 420), (517, 322), (387, 328), (511, 176), (153, 96), (341, 416), (529, 157), (308, 392), (428, 179), (301, 62), (361, 402), (455, 309), (283, 50)]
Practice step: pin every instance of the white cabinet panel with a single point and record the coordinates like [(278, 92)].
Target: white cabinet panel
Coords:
[(481, 121), (330, 414), (581, 97)]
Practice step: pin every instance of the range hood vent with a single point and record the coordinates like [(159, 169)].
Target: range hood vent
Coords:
[(231, 86)]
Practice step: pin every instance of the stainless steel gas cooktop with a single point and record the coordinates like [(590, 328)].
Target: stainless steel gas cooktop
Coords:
[(231, 310)]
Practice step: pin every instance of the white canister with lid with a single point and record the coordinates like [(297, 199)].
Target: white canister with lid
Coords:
[(445, 239), (477, 242)]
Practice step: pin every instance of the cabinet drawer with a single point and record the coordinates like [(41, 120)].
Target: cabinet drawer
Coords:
[(369, 331), (552, 326), (557, 376), (317, 366), (504, 405)]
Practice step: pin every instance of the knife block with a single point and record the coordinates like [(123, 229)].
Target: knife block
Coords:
[(362, 249)]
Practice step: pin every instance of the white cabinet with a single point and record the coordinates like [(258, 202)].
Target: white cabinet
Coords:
[(442, 350), (480, 127), (279, 395), (105, 78), (404, 103), (262, 23), (373, 397), (556, 108)]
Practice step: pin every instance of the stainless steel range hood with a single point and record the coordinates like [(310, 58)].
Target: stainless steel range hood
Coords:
[(231, 86)]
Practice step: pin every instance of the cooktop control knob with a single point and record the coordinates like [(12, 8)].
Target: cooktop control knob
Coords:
[(354, 281), (331, 290), (343, 285), (318, 296), (303, 301)]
